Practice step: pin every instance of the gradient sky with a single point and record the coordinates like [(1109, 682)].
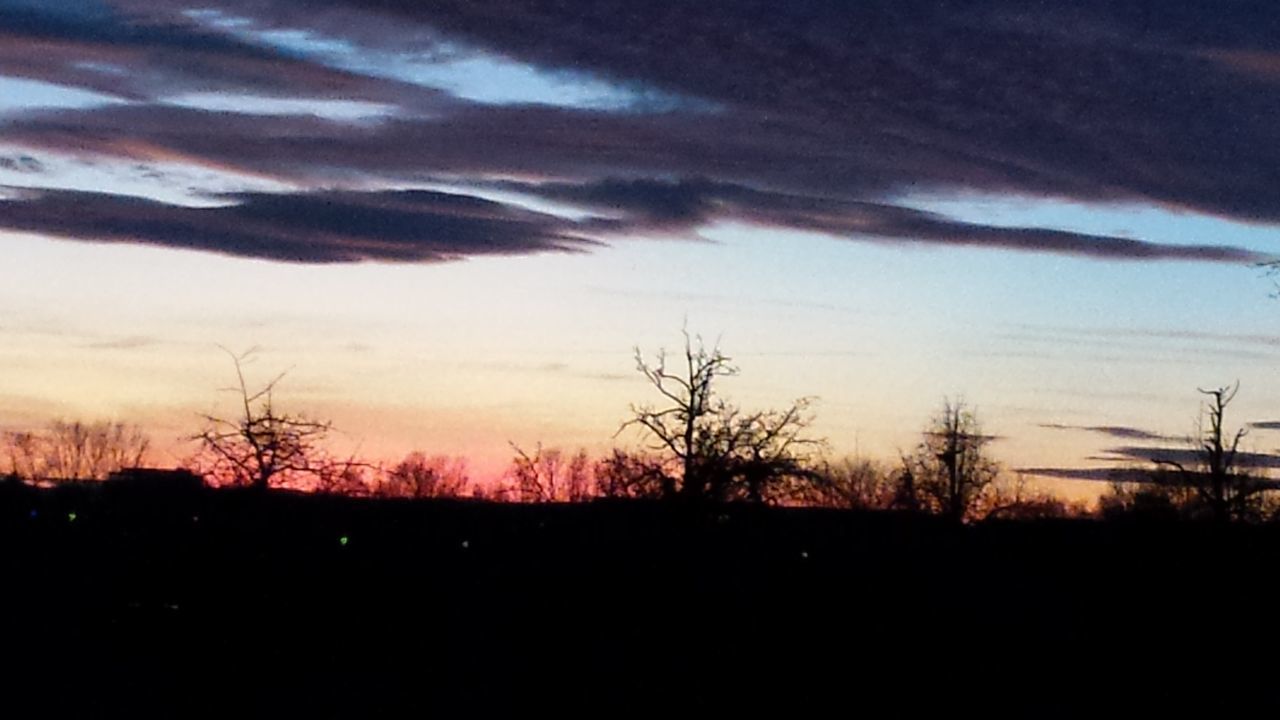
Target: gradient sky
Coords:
[(452, 221)]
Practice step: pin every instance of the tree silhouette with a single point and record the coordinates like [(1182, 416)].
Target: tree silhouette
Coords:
[(635, 475), (949, 472), (855, 483), (547, 476), (76, 450), (263, 446), (419, 476), (1017, 499), (347, 477), (761, 456), (1163, 497), (1225, 490), (712, 449)]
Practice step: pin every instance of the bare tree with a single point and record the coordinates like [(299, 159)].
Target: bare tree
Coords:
[(1221, 487), (546, 476), (854, 483), (419, 476), (681, 428), (762, 456), (949, 473), (76, 450), (714, 450), (349, 477), (26, 455), (1163, 496), (634, 475), (1017, 498), (262, 446), (578, 483)]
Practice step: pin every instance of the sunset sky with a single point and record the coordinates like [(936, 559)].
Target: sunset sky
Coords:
[(452, 221)]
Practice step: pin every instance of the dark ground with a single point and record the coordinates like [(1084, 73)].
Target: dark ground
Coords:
[(239, 605)]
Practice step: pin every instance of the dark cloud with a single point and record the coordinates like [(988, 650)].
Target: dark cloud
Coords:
[(1266, 425), (469, 141), (1186, 457), (424, 226), (97, 48), (661, 205), (1091, 474), (822, 117), (1096, 101), (319, 227), (1119, 474), (1116, 431)]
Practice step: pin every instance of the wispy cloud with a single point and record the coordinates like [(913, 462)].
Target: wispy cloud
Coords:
[(1057, 332), (21, 163), (132, 342), (552, 368), (1116, 431)]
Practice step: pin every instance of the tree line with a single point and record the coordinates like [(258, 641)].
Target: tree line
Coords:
[(697, 447)]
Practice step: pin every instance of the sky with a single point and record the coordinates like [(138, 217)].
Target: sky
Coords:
[(452, 223)]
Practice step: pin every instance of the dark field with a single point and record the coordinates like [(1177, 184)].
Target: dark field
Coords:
[(242, 605)]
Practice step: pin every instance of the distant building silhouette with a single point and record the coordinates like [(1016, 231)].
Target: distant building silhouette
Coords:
[(155, 480)]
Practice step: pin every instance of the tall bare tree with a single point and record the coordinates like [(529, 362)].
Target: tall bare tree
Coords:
[(715, 450), (262, 446), (949, 472), (1222, 487), (682, 427)]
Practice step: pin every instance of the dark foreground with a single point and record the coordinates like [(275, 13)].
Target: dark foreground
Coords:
[(232, 604)]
